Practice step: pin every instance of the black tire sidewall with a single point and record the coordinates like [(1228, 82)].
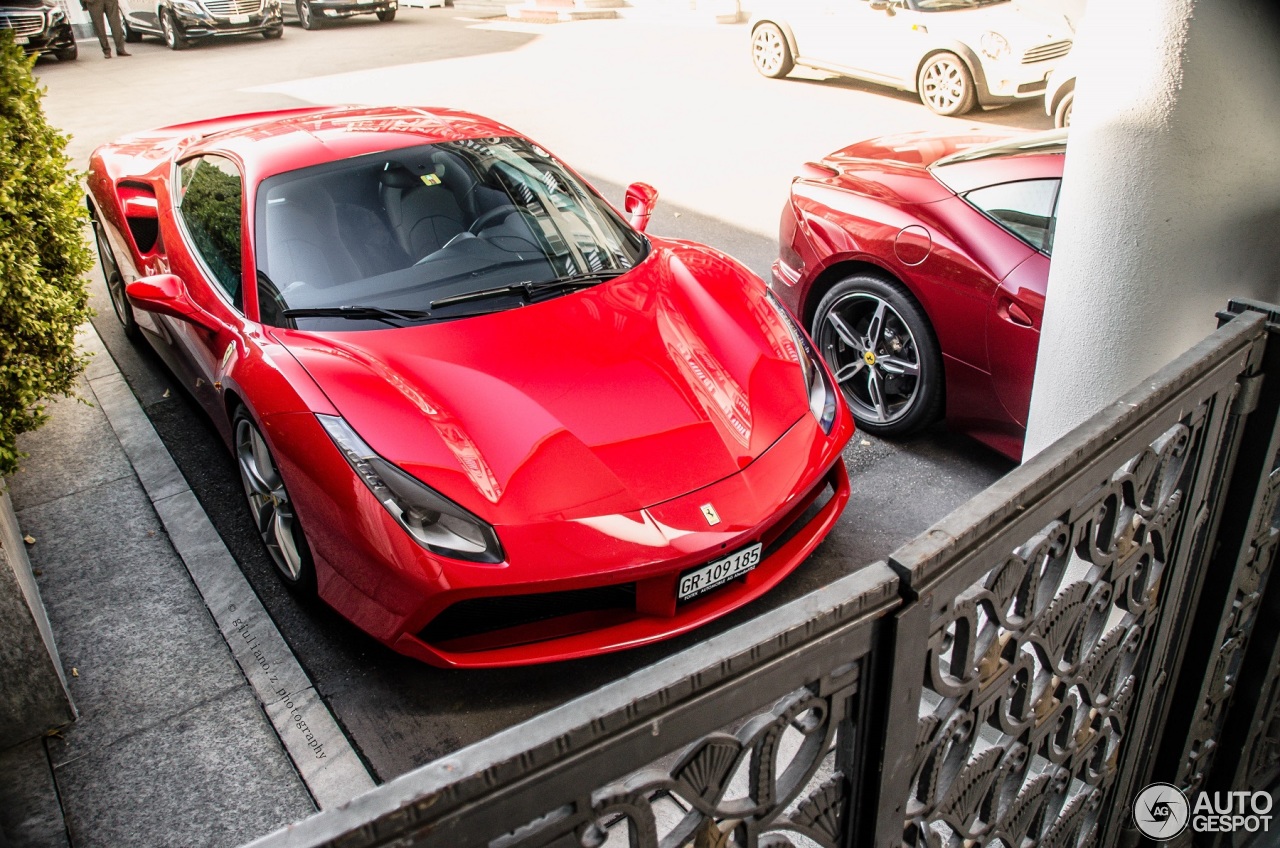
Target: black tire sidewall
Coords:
[(306, 581), (970, 99), (788, 61), (928, 403)]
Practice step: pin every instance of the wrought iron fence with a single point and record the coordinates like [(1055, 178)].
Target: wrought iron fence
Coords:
[(1098, 620)]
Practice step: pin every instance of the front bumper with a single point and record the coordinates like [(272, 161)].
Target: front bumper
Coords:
[(53, 38), (207, 26), (348, 10), (1009, 79), (615, 575)]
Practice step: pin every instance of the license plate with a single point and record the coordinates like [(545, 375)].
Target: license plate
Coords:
[(239, 19), (714, 574), (20, 39)]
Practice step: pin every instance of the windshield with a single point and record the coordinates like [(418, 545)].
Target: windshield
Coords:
[(381, 239), (953, 5)]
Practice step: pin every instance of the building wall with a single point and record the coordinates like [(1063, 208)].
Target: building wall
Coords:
[(1170, 203)]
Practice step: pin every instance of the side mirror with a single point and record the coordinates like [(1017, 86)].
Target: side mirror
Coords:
[(166, 294), (641, 198)]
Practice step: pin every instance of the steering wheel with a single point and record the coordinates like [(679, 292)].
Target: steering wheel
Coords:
[(488, 217)]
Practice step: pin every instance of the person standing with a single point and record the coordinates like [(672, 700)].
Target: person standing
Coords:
[(101, 11)]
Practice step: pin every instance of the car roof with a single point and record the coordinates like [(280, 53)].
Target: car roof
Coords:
[(274, 143), (1032, 156)]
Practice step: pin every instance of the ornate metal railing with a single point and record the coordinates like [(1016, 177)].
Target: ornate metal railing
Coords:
[(1098, 620)]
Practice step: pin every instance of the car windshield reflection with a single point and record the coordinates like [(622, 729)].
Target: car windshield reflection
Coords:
[(403, 230)]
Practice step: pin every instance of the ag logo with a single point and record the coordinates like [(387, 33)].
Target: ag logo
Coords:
[(1161, 811)]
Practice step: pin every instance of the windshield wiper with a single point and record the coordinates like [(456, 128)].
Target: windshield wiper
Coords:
[(529, 288), (377, 313)]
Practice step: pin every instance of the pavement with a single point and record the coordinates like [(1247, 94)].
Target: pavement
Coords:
[(197, 726)]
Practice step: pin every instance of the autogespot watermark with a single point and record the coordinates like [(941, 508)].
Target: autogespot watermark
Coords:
[(1162, 811)]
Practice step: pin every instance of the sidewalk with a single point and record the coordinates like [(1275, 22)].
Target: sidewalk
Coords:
[(197, 726)]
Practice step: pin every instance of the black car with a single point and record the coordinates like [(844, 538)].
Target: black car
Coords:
[(311, 13), (181, 22), (39, 27)]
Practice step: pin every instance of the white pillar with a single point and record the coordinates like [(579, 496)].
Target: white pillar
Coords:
[(1170, 203)]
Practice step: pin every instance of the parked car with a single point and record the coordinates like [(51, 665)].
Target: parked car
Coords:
[(39, 27), (312, 13), (919, 263), (180, 23), (955, 54), (477, 408), (1060, 95)]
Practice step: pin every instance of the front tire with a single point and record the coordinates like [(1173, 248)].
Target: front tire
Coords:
[(115, 283), (1062, 115), (770, 52), (946, 86), (171, 32), (131, 35), (273, 33), (387, 15), (305, 17), (270, 507), (883, 353), (68, 54)]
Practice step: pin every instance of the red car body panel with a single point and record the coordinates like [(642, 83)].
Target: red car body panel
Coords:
[(875, 204), (588, 430)]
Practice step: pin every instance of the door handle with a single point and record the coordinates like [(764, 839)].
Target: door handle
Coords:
[(1015, 314)]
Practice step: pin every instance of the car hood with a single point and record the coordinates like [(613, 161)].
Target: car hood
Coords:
[(894, 168), (1023, 25), (608, 400)]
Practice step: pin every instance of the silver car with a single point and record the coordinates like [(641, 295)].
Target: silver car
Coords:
[(955, 54)]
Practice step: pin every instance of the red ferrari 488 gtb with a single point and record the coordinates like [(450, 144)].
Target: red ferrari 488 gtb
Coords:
[(920, 263), (475, 408)]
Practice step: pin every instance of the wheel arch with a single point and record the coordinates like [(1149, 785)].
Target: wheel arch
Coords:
[(837, 271), (1066, 88)]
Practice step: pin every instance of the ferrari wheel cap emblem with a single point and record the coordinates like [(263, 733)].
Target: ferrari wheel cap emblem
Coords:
[(869, 357), (709, 513)]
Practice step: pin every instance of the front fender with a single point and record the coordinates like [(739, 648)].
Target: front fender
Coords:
[(971, 61)]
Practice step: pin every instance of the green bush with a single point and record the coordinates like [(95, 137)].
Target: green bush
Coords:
[(43, 255)]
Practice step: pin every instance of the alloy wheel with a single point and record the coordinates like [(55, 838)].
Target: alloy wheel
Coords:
[(945, 86), (770, 51), (873, 355), (269, 502), (114, 280)]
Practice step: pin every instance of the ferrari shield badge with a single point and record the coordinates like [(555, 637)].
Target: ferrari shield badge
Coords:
[(709, 513)]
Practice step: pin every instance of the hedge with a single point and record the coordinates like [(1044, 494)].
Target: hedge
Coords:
[(43, 256)]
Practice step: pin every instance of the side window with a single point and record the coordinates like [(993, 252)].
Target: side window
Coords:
[(1026, 209), (209, 203)]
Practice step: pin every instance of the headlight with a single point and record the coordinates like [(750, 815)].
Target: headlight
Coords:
[(434, 521), (190, 7), (55, 14), (994, 45), (822, 394)]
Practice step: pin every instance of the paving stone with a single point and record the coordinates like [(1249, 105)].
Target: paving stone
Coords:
[(212, 776), (75, 450), (30, 816), (128, 619)]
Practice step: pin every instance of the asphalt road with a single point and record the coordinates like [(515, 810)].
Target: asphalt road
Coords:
[(718, 140)]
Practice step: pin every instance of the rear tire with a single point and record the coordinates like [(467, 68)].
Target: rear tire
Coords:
[(387, 15), (770, 52), (115, 282)]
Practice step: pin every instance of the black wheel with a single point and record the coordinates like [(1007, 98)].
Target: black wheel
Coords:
[(387, 15), (883, 353), (308, 20), (269, 505), (273, 33), (1062, 115), (770, 51), (115, 283), (172, 33), (946, 86), (131, 35), (67, 54)]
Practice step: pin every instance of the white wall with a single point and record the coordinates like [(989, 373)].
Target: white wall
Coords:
[(1171, 199)]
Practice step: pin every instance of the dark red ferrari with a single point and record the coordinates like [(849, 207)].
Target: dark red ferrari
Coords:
[(919, 262), (477, 409)]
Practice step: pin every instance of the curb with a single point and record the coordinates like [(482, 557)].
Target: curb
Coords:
[(320, 751)]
